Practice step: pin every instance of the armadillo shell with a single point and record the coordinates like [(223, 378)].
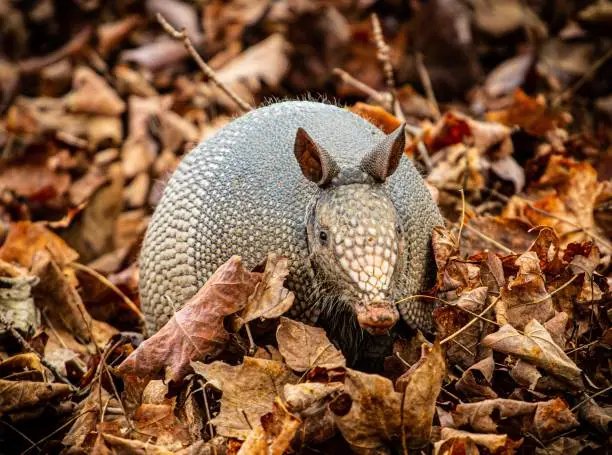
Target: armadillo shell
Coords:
[(242, 192)]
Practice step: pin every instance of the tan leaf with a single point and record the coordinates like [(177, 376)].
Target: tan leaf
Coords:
[(309, 401), (270, 298), (26, 238), (552, 418), (375, 417), (20, 395), (16, 303), (248, 390), (196, 331), (304, 347), (108, 444), (526, 297), (476, 380), (494, 443), (91, 94), (537, 347)]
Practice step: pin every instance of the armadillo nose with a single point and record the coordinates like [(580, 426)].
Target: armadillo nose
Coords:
[(377, 317)]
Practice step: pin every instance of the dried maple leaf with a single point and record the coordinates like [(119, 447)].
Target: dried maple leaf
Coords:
[(304, 347), (537, 347), (248, 390), (270, 299), (525, 296), (375, 417), (196, 331), (494, 443)]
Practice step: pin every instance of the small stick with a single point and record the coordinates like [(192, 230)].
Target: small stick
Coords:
[(426, 81), (383, 56), (424, 155), (505, 249), (462, 218), (377, 96), (588, 398), (210, 73), (469, 324)]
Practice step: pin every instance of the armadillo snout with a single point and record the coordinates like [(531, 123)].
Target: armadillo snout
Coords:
[(362, 248)]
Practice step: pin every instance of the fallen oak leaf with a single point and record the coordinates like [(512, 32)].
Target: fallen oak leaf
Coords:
[(304, 347), (196, 331), (270, 298), (545, 418), (537, 347), (525, 297), (248, 390), (369, 413)]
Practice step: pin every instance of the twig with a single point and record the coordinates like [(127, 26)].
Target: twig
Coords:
[(588, 398), (105, 281), (377, 96), (383, 56), (210, 73), (462, 218), (252, 345), (504, 248), (208, 417), (469, 324), (16, 430), (426, 81), (584, 346), (548, 295), (451, 304)]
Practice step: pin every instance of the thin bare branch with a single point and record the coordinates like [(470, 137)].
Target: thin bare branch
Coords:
[(181, 35)]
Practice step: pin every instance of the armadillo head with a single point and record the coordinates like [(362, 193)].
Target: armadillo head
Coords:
[(355, 236)]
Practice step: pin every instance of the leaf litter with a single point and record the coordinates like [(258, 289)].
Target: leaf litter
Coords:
[(509, 123)]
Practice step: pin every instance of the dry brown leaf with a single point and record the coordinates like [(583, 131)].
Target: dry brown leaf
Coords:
[(304, 347), (507, 232), (375, 417), (277, 431), (525, 296), (309, 401), (91, 94), (494, 443), (531, 114), (476, 380), (58, 297), (108, 444), (596, 416), (537, 347), (26, 238), (546, 418), (36, 181), (196, 331), (248, 390), (377, 116), (462, 349), (270, 298), (18, 396), (160, 420)]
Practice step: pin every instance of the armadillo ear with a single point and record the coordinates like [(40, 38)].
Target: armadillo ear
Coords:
[(383, 160), (316, 164)]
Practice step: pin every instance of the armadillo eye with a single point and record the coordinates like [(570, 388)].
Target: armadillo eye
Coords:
[(323, 237)]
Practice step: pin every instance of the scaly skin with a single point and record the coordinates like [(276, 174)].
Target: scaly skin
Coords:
[(242, 192)]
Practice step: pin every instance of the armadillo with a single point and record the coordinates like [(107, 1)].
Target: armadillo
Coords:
[(316, 183)]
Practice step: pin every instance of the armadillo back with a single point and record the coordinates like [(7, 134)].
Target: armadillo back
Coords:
[(242, 192)]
